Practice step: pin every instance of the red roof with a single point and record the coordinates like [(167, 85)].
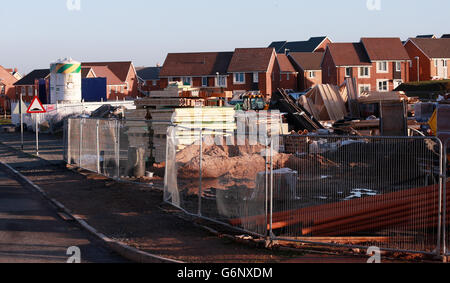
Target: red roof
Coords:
[(285, 64), (105, 72), (385, 49), (251, 60), (196, 64), (438, 48), (308, 60), (120, 69), (349, 54)]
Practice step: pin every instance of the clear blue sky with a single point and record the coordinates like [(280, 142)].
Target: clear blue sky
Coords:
[(35, 33)]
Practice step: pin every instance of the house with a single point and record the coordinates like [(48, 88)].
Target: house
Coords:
[(377, 64), (426, 36), (254, 69), (7, 90), (35, 83), (148, 79), (309, 68), (205, 70), (314, 44), (243, 70), (288, 74), (430, 58), (121, 78)]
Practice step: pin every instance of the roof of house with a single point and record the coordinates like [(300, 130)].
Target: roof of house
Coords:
[(120, 69), (196, 64), (308, 60), (7, 75), (285, 64), (298, 46), (251, 60), (104, 72), (348, 54), (33, 76), (385, 49), (433, 47), (426, 36), (445, 36), (149, 74), (85, 71)]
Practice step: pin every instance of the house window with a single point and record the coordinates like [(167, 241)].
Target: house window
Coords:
[(155, 82), (287, 76), (239, 78), (383, 85), (445, 63), (312, 74), (435, 63), (30, 91), (122, 89), (382, 67), (205, 81), (348, 72), (221, 81), (255, 77), (364, 72), (2, 88), (187, 81), (398, 66), (364, 88)]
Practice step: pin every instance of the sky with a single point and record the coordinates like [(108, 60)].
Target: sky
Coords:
[(36, 33)]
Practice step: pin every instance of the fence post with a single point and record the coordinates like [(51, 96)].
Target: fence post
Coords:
[(444, 177), (200, 189), (441, 198), (118, 148), (68, 136), (271, 189), (81, 142), (98, 146), (266, 188)]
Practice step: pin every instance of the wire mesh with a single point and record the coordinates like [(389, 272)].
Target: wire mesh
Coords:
[(374, 191), (446, 199)]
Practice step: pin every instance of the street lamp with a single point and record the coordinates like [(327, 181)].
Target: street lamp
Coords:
[(418, 68)]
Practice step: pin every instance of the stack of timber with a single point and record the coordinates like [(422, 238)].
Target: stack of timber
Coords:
[(325, 103), (297, 114), (414, 209)]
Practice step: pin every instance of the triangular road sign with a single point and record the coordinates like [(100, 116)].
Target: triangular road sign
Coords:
[(36, 107)]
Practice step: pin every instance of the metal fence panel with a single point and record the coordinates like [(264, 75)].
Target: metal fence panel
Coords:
[(446, 199), (381, 192)]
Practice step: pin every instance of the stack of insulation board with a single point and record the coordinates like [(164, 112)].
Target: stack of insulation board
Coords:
[(213, 121), (170, 97)]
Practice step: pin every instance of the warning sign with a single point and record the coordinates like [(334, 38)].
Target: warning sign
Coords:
[(36, 107)]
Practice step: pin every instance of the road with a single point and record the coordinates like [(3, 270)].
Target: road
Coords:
[(32, 232)]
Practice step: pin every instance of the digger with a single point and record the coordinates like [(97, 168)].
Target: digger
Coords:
[(252, 101)]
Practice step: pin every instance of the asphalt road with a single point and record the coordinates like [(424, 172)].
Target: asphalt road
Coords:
[(32, 232)]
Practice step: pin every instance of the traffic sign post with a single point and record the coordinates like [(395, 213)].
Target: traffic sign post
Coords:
[(36, 108)]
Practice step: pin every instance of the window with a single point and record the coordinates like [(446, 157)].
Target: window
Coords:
[(287, 76), (221, 81), (383, 85), (187, 81), (255, 77), (312, 74), (23, 90), (364, 88), (122, 89), (155, 82), (435, 62), (348, 72), (2, 88), (30, 91), (364, 72), (382, 67), (204, 81), (239, 78), (398, 66), (445, 63)]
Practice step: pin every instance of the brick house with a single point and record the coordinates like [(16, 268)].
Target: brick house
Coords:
[(377, 64), (243, 70), (431, 56), (7, 90), (33, 84), (314, 44), (122, 81), (309, 67), (148, 79), (288, 74)]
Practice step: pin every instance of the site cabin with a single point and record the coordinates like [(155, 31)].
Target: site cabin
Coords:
[(431, 56), (377, 64)]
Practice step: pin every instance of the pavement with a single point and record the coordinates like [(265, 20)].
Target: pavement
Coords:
[(32, 232)]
